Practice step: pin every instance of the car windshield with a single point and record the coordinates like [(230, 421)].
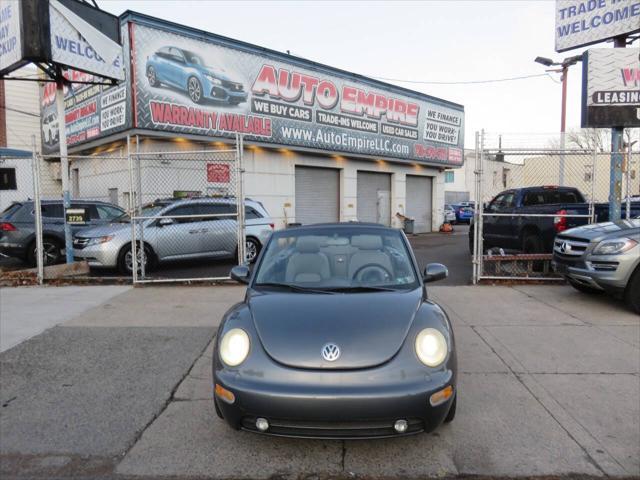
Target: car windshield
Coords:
[(148, 210), (194, 58), (337, 259)]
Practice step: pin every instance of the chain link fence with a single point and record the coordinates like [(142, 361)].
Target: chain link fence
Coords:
[(513, 229), (188, 211), (149, 216)]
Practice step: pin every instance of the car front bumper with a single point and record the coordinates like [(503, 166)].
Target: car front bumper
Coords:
[(602, 272), (103, 255), (340, 405)]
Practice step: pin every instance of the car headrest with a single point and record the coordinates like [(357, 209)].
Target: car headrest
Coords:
[(307, 245), (367, 242)]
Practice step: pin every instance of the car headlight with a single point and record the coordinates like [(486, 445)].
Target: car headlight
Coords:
[(431, 347), (614, 246), (99, 240), (234, 347), (214, 80)]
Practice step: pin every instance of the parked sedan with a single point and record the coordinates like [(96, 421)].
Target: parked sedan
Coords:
[(464, 213), (449, 214), (176, 230), (18, 230), (602, 257), (187, 71), (336, 338)]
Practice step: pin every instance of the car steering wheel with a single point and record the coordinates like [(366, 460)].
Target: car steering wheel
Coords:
[(371, 273)]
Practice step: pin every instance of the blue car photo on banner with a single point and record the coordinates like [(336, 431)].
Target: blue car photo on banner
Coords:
[(188, 72)]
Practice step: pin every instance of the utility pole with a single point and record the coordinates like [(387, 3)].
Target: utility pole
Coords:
[(615, 178)]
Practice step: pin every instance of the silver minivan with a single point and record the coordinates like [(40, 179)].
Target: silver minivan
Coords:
[(176, 230)]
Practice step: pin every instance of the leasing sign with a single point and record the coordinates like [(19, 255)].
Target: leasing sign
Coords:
[(191, 85), (611, 88), (585, 22)]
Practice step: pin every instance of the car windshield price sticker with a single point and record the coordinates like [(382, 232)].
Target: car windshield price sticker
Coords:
[(76, 216)]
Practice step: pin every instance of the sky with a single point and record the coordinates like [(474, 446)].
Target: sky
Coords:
[(436, 41)]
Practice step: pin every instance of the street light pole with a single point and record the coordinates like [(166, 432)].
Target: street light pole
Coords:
[(564, 71), (563, 121)]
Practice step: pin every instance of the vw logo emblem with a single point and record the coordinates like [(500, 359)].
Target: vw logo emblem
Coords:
[(331, 352)]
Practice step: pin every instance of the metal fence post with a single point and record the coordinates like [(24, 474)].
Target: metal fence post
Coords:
[(131, 206), (476, 213), (242, 254), (37, 210), (141, 225), (592, 201), (480, 207)]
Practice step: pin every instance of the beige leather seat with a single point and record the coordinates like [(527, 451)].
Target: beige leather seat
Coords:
[(308, 264), (369, 253)]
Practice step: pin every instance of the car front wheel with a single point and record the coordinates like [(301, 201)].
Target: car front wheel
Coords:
[(125, 260), (194, 88), (632, 292)]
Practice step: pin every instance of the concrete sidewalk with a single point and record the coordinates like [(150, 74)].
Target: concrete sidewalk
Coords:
[(549, 385)]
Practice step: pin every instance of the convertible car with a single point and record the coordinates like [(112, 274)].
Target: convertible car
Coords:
[(336, 338), (188, 72)]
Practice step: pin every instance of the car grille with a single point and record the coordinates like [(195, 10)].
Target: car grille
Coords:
[(569, 247), (356, 429), (233, 86), (80, 242)]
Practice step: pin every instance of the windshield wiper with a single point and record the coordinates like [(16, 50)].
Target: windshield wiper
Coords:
[(362, 288), (293, 288)]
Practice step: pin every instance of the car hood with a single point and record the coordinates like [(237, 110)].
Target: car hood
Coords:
[(369, 328), (599, 231), (104, 230), (216, 72)]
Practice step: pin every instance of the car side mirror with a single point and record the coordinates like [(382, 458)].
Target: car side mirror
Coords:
[(163, 222), (240, 273), (434, 272)]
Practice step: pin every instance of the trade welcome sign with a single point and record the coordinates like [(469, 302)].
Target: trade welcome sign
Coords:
[(202, 86), (585, 22)]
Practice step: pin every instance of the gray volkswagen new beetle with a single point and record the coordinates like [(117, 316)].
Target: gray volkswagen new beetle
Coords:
[(336, 338)]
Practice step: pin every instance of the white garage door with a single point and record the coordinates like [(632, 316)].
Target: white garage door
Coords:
[(317, 195), (419, 204), (374, 197)]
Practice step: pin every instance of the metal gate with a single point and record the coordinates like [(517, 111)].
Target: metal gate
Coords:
[(509, 243), (188, 223)]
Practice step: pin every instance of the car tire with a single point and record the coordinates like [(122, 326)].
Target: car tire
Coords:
[(125, 259), (52, 252), (252, 249), (584, 288), (531, 243), (194, 90), (452, 411), (152, 77), (632, 292)]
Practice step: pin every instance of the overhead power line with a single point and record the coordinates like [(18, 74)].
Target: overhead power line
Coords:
[(467, 82)]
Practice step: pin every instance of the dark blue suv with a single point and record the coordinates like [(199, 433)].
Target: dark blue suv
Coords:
[(188, 72)]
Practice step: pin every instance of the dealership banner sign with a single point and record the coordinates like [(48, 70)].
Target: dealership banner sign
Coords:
[(585, 22), (611, 88), (189, 85), (91, 111)]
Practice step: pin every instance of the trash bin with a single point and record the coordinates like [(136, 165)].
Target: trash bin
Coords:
[(408, 225)]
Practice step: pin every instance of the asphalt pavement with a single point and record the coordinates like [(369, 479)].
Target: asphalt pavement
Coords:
[(549, 385)]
